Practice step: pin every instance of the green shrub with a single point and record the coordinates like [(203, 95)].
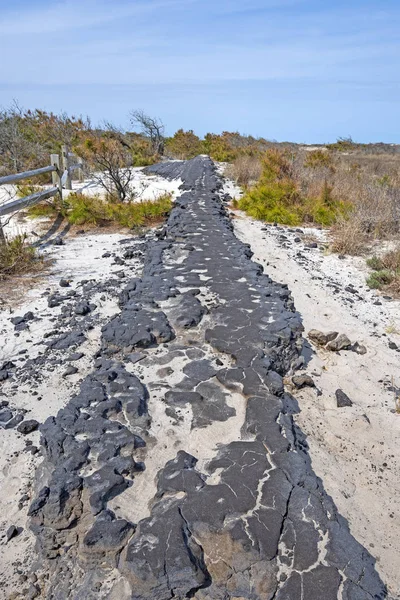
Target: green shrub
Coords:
[(318, 159), (26, 189), (379, 279), (386, 272), (375, 263), (44, 209), (277, 197), (184, 144), (92, 210)]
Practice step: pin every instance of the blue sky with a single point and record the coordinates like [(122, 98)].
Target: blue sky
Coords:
[(299, 70)]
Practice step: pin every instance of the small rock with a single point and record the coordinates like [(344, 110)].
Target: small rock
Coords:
[(71, 370), (33, 592), (164, 372), (82, 308), (359, 348), (301, 381), (322, 338), (351, 289), (342, 399), (342, 342), (392, 346), (28, 426), (64, 282), (5, 415), (12, 532), (14, 421), (274, 382), (75, 356), (135, 357), (312, 245)]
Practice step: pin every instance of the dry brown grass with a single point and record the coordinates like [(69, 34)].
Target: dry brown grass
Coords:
[(348, 237), (360, 187), (245, 170), (18, 257), (370, 183)]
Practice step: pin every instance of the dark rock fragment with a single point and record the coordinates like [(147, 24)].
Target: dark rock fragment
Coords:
[(75, 356), (301, 381), (107, 534), (342, 399), (5, 415), (358, 348), (82, 308), (28, 426), (342, 342), (70, 370), (12, 532), (14, 421)]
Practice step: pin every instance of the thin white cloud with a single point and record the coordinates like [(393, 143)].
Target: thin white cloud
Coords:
[(72, 14)]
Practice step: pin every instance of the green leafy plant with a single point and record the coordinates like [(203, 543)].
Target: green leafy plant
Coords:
[(386, 272), (92, 210)]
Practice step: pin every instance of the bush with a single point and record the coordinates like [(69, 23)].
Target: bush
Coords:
[(27, 189), (18, 257), (92, 210), (386, 272), (44, 209), (184, 145), (278, 196), (374, 263), (317, 159), (348, 237), (379, 279), (245, 170)]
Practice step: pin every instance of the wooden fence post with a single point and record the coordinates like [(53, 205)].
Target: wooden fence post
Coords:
[(2, 236), (56, 175), (65, 166), (80, 170)]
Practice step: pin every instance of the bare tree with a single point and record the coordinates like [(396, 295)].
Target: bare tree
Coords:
[(110, 164), (14, 146), (151, 127)]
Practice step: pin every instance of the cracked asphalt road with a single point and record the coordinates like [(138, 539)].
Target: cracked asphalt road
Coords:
[(179, 473)]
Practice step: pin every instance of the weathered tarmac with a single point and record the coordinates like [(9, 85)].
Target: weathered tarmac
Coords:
[(204, 339)]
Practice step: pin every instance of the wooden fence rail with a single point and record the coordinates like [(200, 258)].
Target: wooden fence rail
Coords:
[(26, 175), (61, 177)]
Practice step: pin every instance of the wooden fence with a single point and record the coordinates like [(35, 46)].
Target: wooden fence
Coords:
[(61, 174)]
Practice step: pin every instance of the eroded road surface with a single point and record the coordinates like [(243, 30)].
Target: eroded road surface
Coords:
[(177, 471)]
